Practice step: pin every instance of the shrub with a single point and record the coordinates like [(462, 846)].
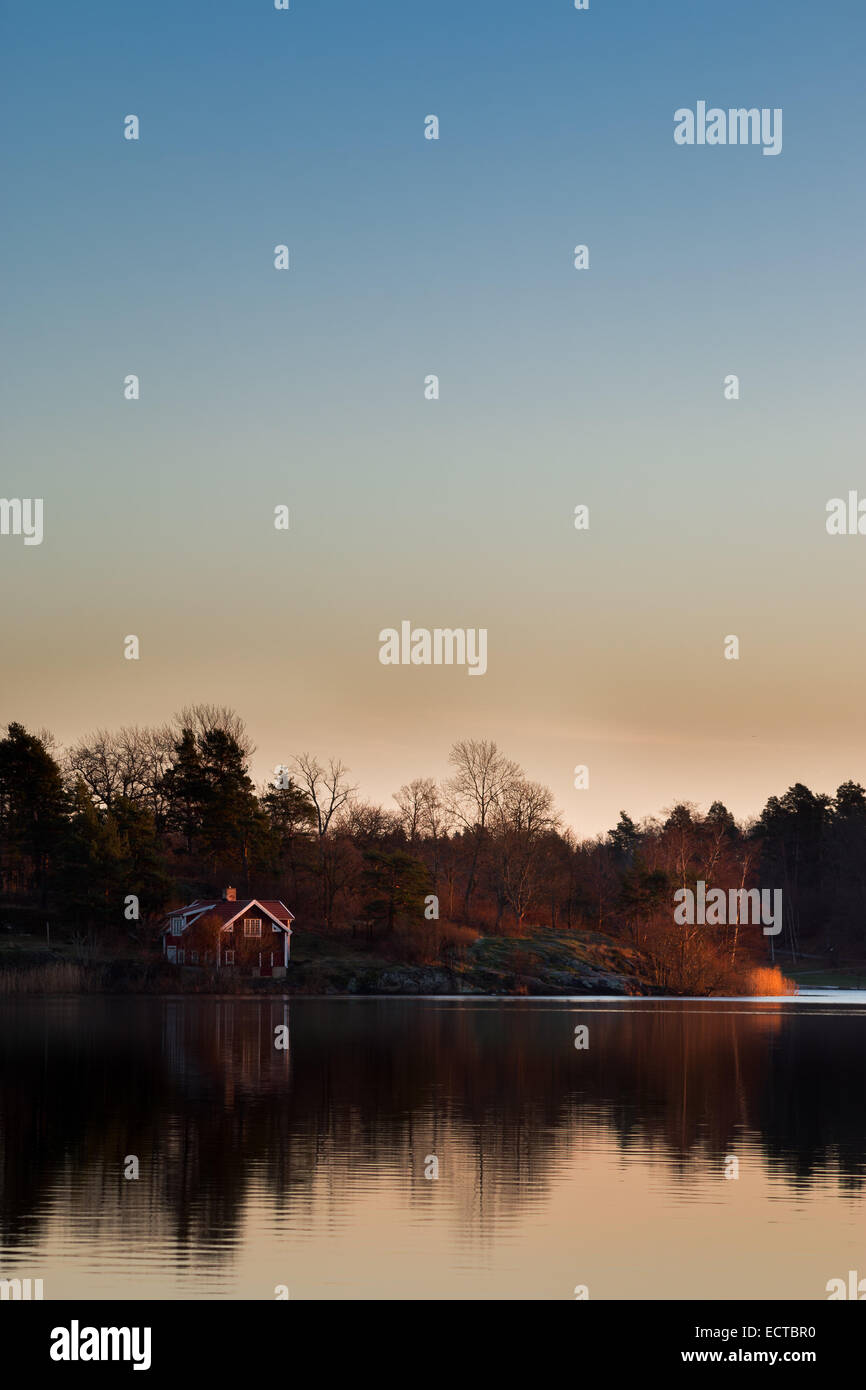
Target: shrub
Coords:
[(768, 979)]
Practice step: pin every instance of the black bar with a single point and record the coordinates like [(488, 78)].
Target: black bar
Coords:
[(409, 1339)]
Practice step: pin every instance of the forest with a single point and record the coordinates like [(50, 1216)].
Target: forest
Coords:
[(100, 839)]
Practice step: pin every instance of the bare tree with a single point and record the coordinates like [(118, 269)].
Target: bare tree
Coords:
[(364, 821), (482, 775), (128, 762), (329, 789), (157, 748), (436, 818), (436, 824), (110, 765), (426, 820), (92, 760), (411, 800), (523, 814)]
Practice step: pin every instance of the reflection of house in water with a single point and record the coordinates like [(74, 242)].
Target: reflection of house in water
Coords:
[(240, 1045), (249, 1154)]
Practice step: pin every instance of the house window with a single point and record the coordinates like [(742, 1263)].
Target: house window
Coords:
[(253, 926), (229, 957), (176, 926), (193, 955), (180, 955)]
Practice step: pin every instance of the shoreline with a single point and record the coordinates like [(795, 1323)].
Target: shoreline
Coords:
[(833, 994), (541, 964)]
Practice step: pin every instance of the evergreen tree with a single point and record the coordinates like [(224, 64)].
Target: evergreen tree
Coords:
[(33, 809), (94, 868), (185, 788), (394, 885)]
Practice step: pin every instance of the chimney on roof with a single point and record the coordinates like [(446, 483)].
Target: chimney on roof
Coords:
[(229, 895)]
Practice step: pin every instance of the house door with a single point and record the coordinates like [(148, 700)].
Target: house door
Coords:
[(264, 968)]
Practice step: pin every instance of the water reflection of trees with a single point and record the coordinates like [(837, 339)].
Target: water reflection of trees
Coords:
[(197, 1090)]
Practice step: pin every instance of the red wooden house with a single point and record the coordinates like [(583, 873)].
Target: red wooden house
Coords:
[(252, 935)]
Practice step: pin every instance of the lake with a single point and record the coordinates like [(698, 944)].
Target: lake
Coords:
[(312, 1166)]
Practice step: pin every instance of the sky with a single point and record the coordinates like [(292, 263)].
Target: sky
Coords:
[(558, 387)]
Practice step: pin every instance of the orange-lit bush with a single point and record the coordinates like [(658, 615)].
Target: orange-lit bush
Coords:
[(768, 979)]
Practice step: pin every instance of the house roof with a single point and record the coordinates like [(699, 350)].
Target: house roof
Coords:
[(227, 912)]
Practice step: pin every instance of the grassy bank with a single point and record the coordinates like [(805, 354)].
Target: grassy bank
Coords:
[(832, 977), (541, 962)]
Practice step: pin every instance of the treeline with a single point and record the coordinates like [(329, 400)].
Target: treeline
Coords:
[(161, 816)]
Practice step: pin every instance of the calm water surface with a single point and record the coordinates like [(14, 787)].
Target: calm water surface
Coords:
[(305, 1167)]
